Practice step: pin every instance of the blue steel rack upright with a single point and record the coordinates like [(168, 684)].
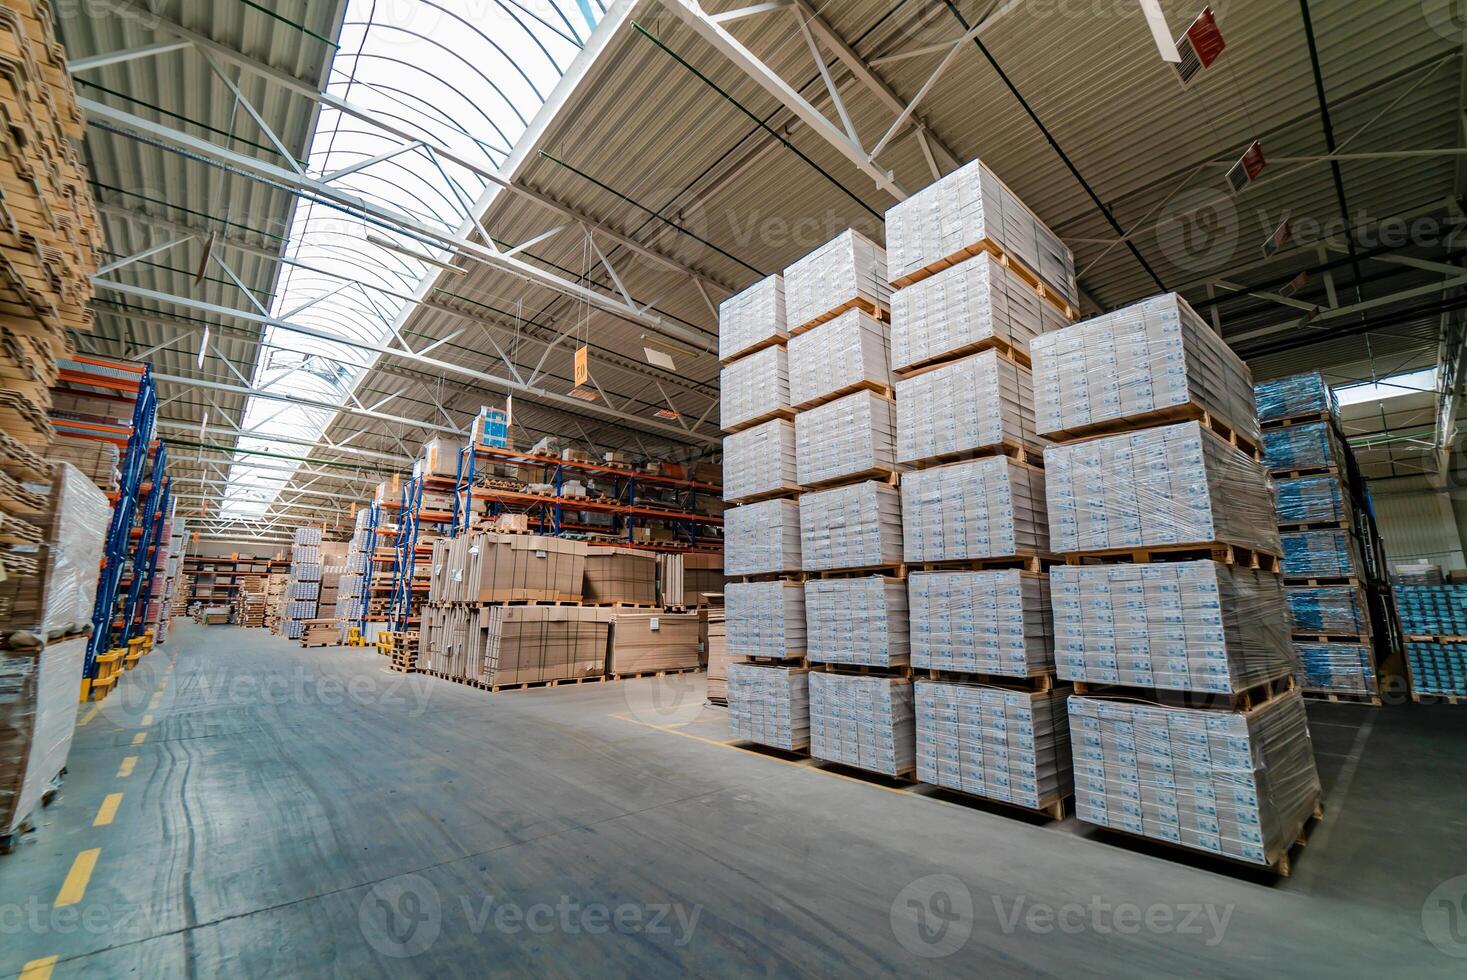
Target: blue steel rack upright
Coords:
[(374, 523), (405, 551), (157, 494)]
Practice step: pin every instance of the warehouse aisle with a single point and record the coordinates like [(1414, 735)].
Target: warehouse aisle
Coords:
[(254, 808)]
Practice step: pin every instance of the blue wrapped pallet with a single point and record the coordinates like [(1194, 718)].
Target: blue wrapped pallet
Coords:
[(1301, 447), (1329, 553), (1432, 610), (1437, 668), (1336, 668), (1311, 500), (1337, 609), (1298, 394)]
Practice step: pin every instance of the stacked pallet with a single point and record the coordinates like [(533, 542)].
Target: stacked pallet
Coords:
[(1434, 619), (402, 649), (277, 595), (351, 597), (715, 651), (303, 594)]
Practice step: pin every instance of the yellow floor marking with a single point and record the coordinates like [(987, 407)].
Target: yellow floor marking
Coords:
[(139, 737), (107, 810), (38, 969), (147, 720), (156, 700), (75, 885), (125, 770), (91, 713)]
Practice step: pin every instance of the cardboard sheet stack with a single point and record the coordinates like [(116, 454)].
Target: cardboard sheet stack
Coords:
[(759, 462), (848, 272), (958, 407), (715, 651), (652, 642), (621, 576), (857, 621)]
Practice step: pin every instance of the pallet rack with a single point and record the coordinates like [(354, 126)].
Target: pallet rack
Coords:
[(233, 568), (375, 531), (406, 588)]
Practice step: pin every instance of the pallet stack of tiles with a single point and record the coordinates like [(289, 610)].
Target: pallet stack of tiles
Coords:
[(351, 597), (303, 594), (1434, 618), (1169, 614), (1345, 628)]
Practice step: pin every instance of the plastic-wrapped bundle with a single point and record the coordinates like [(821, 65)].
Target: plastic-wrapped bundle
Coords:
[(1302, 447), (307, 535), (754, 388), (847, 268), (38, 714), (761, 538), (839, 355), (1174, 626), (978, 402), (841, 439), (1298, 394), (1327, 609), (1437, 668), (983, 508), (1235, 783), (1310, 499), (760, 460), (1177, 484), (1432, 609), (946, 220), (1152, 355), (764, 619), (1340, 668), (58, 597), (863, 721), (857, 621), (994, 622), (964, 307), (751, 318), (990, 741), (1330, 553), (859, 526), (769, 705)]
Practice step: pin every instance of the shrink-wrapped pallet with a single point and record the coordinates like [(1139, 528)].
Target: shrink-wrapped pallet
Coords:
[(1437, 667), (847, 271), (980, 402), (37, 720), (55, 594), (1298, 394), (856, 526), (754, 388), (1438, 608), (1177, 484), (1153, 355), (989, 622), (1328, 609), (857, 621), (1330, 553), (1312, 499), (983, 508), (1174, 626), (764, 619), (863, 721), (762, 538), (1236, 783), (1336, 667), (752, 318), (850, 351), (849, 437), (1302, 447), (760, 460), (1002, 744), (769, 705)]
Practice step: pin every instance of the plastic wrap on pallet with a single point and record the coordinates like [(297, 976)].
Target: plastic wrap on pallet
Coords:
[(307, 536), (1432, 609), (1175, 626), (764, 619), (769, 705), (1309, 499), (840, 354), (947, 218), (979, 402), (754, 387), (857, 526), (857, 621), (1298, 394), (863, 720), (1235, 783), (760, 460), (960, 308), (1437, 667), (1330, 553), (1327, 609), (1152, 355), (58, 598), (1339, 668), (1302, 447), (38, 705), (751, 317), (1002, 744), (991, 622), (982, 508), (848, 267), (1176, 484), (761, 538), (844, 438)]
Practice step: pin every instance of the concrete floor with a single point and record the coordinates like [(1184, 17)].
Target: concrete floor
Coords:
[(305, 813)]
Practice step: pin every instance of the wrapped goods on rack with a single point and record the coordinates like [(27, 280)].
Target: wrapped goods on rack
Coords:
[(1328, 609), (857, 526), (980, 402), (863, 720), (1298, 394), (769, 705), (755, 388), (38, 718), (852, 350), (1336, 667), (1176, 484), (857, 621), (982, 622), (849, 437), (1302, 447), (752, 318), (485, 566), (847, 271), (762, 538), (764, 619), (983, 508), (1311, 499), (1432, 609), (1174, 626), (1330, 553), (760, 460)]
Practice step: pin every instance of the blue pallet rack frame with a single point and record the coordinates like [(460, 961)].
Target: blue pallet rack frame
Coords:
[(405, 551), (155, 506), (374, 521)]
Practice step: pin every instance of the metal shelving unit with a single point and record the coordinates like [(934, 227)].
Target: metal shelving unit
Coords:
[(407, 549)]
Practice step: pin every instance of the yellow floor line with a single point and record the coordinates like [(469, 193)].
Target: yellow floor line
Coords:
[(75, 885), (107, 810), (139, 738), (125, 770), (38, 969), (156, 700), (91, 713), (147, 720)]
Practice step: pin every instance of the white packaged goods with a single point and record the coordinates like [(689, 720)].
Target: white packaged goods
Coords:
[(752, 317), (994, 622), (989, 741), (983, 508), (764, 619), (1175, 626), (839, 355), (858, 526), (1235, 783), (857, 621), (863, 721), (847, 268), (1177, 484), (759, 460), (1151, 355), (754, 388), (964, 307), (761, 538), (769, 705), (980, 401), (945, 220), (841, 439)]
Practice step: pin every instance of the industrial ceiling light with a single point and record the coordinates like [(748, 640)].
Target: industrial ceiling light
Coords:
[(667, 413)]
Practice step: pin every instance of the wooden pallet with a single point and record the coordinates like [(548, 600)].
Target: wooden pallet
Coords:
[(896, 570), (1227, 554), (1294, 527), (1010, 351), (788, 414), (1298, 472), (1319, 581), (1436, 638), (886, 475), (1427, 697), (783, 490), (1332, 637), (866, 306), (1171, 415), (863, 670), (1036, 282), (1036, 564), (615, 604), (1016, 451), (1244, 700), (904, 778), (795, 754), (1035, 684), (774, 340), (1279, 860), (875, 387), (718, 702), (1304, 418), (791, 576), (788, 660), (1054, 808), (531, 602), (1341, 697), (637, 675)]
